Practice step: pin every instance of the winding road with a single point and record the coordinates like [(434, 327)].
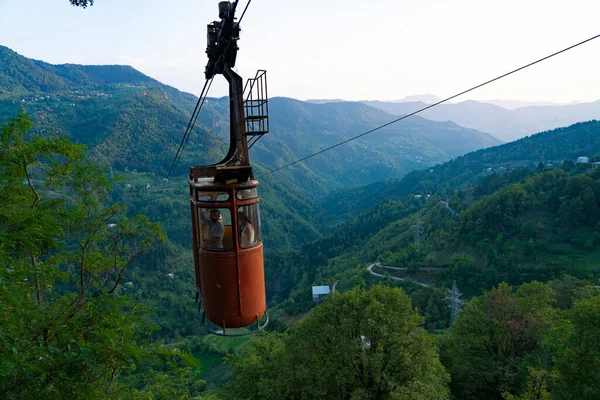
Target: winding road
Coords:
[(377, 264)]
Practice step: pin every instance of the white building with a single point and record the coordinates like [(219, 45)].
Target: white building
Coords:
[(318, 292), (583, 160)]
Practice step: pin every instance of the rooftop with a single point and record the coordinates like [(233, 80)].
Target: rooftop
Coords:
[(320, 290)]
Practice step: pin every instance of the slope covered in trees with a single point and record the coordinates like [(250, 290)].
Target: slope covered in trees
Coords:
[(130, 120), (515, 226), (551, 147), (522, 342)]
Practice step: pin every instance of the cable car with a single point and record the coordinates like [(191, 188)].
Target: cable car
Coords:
[(226, 228)]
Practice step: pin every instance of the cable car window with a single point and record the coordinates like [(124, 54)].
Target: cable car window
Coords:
[(247, 194), (213, 196), (249, 225), (215, 228)]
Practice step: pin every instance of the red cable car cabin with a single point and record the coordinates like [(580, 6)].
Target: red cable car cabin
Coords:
[(228, 251), (229, 268)]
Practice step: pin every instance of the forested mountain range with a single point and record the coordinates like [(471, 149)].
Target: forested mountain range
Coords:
[(71, 326), (504, 209), (503, 123), (131, 122), (581, 139), (515, 226)]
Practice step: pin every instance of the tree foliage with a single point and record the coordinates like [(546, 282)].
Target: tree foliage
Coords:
[(357, 345), (577, 360), (486, 348), (65, 329)]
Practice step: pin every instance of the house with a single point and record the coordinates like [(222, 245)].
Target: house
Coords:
[(318, 292), (583, 160), (596, 165)]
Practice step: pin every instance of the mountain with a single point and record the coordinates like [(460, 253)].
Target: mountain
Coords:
[(424, 98), (427, 98), (324, 101), (550, 147), (524, 228), (131, 121), (514, 104), (134, 124), (506, 125), (516, 223), (299, 129), (23, 76)]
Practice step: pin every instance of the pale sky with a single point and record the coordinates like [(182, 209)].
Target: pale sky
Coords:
[(353, 49)]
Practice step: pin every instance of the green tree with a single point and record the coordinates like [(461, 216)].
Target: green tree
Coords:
[(486, 348), (356, 345), (577, 363), (65, 330)]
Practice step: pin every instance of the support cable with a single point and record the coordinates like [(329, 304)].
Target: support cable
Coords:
[(433, 105), (186, 136), (198, 113), (189, 128), (244, 12)]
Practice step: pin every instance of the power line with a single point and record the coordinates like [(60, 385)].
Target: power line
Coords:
[(433, 105), (244, 12), (198, 113), (188, 129)]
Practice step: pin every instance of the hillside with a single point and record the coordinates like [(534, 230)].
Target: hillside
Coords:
[(131, 122), (368, 230), (535, 229), (515, 227), (22, 76), (548, 147)]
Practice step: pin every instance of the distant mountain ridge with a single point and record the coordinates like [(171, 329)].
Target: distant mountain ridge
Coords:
[(507, 120), (505, 124), (425, 98), (514, 104)]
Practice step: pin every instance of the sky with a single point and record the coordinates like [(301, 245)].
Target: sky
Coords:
[(315, 49)]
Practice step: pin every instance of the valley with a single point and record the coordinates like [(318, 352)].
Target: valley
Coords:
[(514, 221)]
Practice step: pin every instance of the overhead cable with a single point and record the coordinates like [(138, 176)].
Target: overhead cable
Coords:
[(432, 105), (189, 128), (186, 136), (244, 12)]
